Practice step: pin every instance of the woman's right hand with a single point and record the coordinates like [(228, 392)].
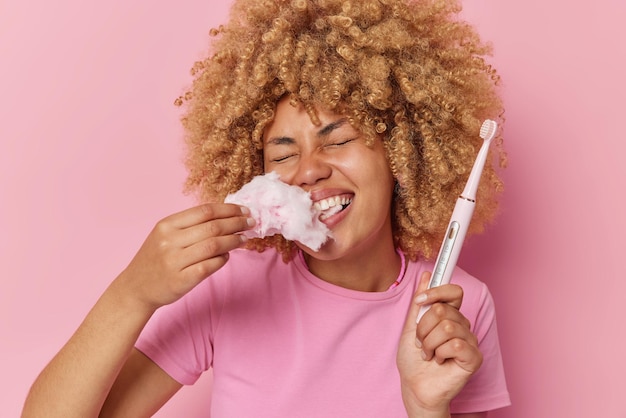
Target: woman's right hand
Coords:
[(182, 250)]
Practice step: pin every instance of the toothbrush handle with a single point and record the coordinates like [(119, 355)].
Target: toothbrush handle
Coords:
[(451, 246)]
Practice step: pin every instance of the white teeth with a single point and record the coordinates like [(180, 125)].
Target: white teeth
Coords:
[(330, 212), (332, 205)]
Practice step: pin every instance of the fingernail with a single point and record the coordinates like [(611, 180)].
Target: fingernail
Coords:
[(418, 343), (421, 298), (423, 355), (243, 238), (244, 210), (250, 221)]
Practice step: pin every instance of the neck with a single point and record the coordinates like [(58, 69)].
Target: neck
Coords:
[(362, 272)]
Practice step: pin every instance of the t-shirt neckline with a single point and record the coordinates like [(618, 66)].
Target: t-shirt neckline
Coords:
[(406, 276)]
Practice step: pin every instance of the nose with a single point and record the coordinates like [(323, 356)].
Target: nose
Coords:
[(311, 168)]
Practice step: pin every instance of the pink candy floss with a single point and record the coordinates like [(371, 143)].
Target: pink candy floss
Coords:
[(279, 208)]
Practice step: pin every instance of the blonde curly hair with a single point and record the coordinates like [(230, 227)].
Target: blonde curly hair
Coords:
[(409, 72)]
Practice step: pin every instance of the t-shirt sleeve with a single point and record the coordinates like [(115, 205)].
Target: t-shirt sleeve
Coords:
[(486, 390), (178, 337)]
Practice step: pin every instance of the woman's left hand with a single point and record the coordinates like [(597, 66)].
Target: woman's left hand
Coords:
[(437, 356)]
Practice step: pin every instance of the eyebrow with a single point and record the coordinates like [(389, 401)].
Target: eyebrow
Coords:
[(323, 132), (281, 140), (326, 130)]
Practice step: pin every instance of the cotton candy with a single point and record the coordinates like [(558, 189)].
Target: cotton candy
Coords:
[(279, 208)]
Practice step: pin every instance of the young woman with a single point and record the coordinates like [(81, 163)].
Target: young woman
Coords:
[(373, 104)]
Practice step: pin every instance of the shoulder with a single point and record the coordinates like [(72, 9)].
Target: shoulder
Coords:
[(475, 291), (478, 305)]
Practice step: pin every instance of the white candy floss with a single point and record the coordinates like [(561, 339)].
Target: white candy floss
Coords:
[(279, 208)]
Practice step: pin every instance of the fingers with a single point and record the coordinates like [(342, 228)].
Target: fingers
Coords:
[(209, 249), (444, 325), (195, 234), (439, 354), (463, 352), (450, 294), (424, 281), (200, 235), (443, 332), (204, 235), (203, 213), (182, 250), (194, 225)]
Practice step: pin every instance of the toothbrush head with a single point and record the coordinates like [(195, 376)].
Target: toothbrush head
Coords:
[(488, 130)]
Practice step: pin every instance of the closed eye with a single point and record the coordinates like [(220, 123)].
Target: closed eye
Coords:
[(280, 148), (339, 142), (281, 158)]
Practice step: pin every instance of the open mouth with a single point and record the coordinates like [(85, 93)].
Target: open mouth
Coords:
[(331, 206)]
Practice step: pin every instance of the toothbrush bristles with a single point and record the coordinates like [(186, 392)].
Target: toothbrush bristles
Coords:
[(488, 129)]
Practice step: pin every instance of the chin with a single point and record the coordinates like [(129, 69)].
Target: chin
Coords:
[(326, 252), (329, 251)]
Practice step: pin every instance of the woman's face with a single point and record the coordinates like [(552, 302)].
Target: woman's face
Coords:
[(333, 163)]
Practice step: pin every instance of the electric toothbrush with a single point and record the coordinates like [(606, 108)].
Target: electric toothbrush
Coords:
[(461, 217)]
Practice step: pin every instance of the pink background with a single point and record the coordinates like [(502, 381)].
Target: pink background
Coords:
[(90, 160)]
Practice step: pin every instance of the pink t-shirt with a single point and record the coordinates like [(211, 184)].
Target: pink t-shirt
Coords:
[(284, 343)]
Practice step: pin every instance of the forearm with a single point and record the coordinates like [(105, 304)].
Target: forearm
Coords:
[(78, 379)]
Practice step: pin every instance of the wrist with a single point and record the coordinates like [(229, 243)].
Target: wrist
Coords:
[(417, 409), (127, 298), (429, 414)]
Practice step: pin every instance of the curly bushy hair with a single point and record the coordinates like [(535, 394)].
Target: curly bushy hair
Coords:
[(409, 72)]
